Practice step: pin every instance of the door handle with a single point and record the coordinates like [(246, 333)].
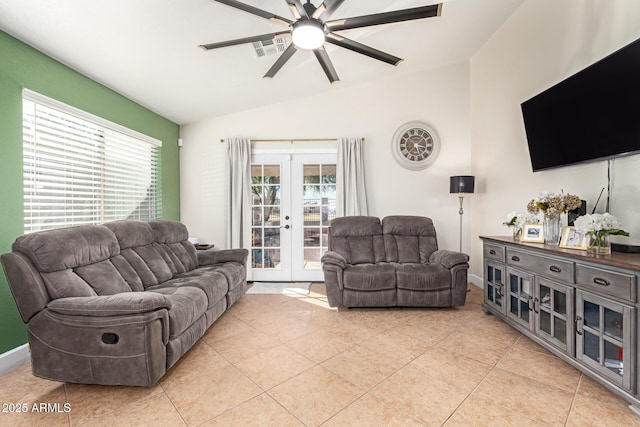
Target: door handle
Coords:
[(579, 325), (285, 226)]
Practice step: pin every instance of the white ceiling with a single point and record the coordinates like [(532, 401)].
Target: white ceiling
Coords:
[(147, 49)]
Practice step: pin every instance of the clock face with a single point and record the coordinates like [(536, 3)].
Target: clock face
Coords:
[(415, 145)]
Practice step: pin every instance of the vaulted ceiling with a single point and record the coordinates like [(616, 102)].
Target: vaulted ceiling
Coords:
[(148, 50)]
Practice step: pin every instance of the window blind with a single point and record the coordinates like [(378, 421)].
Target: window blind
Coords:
[(81, 169)]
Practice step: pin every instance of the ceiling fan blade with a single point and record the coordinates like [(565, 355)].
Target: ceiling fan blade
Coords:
[(325, 62), (327, 8), (262, 37), (362, 49), (385, 17), (286, 55), (255, 11), (297, 9)]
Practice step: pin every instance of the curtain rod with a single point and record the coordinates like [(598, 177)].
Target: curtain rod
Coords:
[(292, 140)]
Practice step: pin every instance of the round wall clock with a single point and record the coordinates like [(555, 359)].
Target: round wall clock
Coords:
[(415, 145)]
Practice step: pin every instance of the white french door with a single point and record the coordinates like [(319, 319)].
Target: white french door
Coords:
[(293, 202)]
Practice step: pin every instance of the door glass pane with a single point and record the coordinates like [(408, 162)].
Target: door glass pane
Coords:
[(591, 315), (319, 198), (490, 274), (591, 346), (498, 274), (560, 329), (560, 302), (613, 357), (490, 292), (525, 291), (513, 283), (514, 305), (265, 196), (524, 310), (545, 322), (272, 215), (545, 297), (613, 323)]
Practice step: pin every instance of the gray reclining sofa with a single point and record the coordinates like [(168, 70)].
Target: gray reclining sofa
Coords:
[(119, 303), (393, 263)]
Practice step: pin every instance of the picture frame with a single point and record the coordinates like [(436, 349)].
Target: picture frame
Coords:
[(573, 239), (533, 233)]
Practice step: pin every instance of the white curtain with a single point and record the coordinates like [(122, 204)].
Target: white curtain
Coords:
[(351, 196), (238, 193)]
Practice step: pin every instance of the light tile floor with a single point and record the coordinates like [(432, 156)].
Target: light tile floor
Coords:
[(275, 360)]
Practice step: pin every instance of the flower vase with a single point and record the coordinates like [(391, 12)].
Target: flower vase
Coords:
[(517, 233), (599, 244), (552, 229)]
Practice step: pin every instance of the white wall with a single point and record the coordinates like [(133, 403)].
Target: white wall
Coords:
[(544, 42), (439, 97)]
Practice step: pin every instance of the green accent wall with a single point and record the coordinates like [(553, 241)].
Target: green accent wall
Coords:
[(21, 67)]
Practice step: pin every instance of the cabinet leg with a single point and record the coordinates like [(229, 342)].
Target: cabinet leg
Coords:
[(486, 311)]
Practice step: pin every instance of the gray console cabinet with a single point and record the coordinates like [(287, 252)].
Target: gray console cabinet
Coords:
[(582, 308)]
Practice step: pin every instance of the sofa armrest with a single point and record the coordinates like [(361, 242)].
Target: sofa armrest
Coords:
[(125, 303), (334, 259), (448, 258), (217, 256)]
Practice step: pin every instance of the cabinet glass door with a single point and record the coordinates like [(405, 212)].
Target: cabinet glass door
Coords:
[(603, 337), (520, 297), (553, 308), (494, 285)]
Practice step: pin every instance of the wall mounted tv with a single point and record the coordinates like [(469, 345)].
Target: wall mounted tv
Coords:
[(592, 115)]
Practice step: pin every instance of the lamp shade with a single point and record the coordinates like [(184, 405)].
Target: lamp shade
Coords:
[(461, 184)]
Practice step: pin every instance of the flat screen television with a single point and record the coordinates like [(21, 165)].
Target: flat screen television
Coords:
[(592, 115)]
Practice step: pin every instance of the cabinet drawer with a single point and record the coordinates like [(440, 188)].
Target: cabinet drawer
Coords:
[(552, 268), (494, 252), (606, 282)]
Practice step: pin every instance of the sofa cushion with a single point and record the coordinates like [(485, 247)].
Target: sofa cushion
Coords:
[(131, 234), (423, 277), (127, 272), (358, 239), (173, 237), (234, 273), (409, 239), (212, 283), (64, 248), (66, 283), (188, 304), (142, 253), (103, 278), (369, 277)]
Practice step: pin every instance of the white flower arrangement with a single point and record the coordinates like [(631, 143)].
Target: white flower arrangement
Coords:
[(518, 219), (599, 224)]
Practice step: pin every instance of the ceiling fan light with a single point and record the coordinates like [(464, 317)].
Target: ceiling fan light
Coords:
[(308, 34)]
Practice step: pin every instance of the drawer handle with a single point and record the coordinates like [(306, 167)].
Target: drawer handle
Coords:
[(555, 269), (601, 282), (515, 258), (492, 252)]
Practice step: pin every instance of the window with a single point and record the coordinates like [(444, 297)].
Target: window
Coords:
[(81, 169)]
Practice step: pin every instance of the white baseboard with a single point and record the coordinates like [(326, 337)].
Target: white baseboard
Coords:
[(476, 280), (14, 358)]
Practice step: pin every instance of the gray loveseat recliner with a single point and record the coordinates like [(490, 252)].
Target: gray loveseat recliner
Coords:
[(396, 263), (119, 303)]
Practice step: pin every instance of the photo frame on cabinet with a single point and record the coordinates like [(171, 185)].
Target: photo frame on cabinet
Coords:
[(533, 233), (573, 239)]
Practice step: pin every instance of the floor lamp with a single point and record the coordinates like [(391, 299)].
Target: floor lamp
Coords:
[(462, 184)]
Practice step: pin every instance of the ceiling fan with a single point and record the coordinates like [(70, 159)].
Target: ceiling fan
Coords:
[(311, 28)]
